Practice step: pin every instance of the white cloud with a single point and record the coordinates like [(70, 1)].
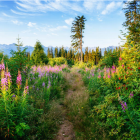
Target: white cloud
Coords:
[(30, 24), (100, 5), (88, 4), (58, 28), (19, 13), (110, 7), (69, 21), (100, 19), (6, 15), (35, 33), (17, 22)]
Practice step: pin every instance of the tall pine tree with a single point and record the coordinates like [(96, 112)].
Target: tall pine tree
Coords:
[(78, 27), (132, 23), (38, 56)]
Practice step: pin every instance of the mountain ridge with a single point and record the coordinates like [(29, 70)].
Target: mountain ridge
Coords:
[(6, 48)]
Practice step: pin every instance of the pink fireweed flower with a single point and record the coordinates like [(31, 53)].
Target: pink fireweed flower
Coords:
[(120, 58), (122, 65), (131, 95), (113, 67), (99, 76), (109, 76), (4, 83), (93, 74), (2, 67), (113, 71), (26, 87), (19, 79)]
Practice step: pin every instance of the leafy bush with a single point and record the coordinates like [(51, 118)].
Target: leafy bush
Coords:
[(19, 61), (114, 97), (57, 61), (109, 59)]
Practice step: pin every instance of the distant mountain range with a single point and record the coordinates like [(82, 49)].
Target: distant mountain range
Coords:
[(6, 49)]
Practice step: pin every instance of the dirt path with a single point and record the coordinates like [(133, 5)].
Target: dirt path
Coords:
[(66, 131)]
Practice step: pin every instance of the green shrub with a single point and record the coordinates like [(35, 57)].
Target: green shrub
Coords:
[(57, 61)]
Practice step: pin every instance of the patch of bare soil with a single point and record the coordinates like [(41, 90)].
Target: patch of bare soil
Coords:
[(66, 131)]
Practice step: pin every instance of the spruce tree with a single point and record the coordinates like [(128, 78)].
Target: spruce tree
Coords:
[(97, 55), (59, 54), (100, 54), (86, 55), (51, 54), (65, 53), (56, 52), (48, 53), (90, 56), (38, 56), (105, 52), (132, 23), (93, 56), (62, 52), (78, 27), (19, 44)]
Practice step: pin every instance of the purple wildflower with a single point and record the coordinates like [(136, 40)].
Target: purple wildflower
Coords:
[(13, 96), (43, 84), (33, 86), (124, 105)]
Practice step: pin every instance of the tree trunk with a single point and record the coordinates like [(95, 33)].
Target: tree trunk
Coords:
[(81, 48)]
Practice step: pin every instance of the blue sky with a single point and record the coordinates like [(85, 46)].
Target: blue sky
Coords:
[(50, 21)]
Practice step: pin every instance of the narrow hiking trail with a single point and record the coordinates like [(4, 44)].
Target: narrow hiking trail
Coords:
[(74, 100)]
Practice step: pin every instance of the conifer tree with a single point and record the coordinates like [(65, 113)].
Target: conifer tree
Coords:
[(72, 55), (86, 55), (78, 27), (65, 53), (100, 54), (93, 56), (132, 23), (19, 44), (59, 54), (105, 52), (56, 52), (38, 56), (97, 55), (90, 56), (48, 53), (51, 54), (62, 52), (68, 55)]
